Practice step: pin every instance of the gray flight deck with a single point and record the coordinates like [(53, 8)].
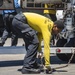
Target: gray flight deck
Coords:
[(10, 64)]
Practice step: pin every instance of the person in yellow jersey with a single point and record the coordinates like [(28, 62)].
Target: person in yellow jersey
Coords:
[(25, 24), (50, 13)]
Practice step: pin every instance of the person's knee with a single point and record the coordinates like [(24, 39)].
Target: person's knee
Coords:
[(30, 35), (36, 39)]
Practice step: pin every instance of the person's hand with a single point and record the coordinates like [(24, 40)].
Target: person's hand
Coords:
[(48, 67), (48, 70), (40, 55)]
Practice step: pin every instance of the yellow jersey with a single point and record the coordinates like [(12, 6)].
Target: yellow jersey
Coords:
[(44, 27)]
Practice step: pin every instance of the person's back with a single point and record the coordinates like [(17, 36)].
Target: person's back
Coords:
[(38, 21)]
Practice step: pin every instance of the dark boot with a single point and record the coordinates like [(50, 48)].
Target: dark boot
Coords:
[(30, 71)]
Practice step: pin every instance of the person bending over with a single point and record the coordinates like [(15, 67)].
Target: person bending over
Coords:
[(25, 24)]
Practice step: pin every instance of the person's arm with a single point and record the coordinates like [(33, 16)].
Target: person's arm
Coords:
[(46, 38), (46, 32)]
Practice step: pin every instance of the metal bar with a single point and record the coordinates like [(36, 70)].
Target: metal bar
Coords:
[(39, 8), (22, 50), (12, 50), (48, 1)]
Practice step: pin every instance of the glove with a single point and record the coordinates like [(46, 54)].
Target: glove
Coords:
[(48, 70), (40, 54)]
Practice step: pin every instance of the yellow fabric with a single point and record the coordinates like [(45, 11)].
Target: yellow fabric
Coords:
[(49, 11), (44, 27)]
